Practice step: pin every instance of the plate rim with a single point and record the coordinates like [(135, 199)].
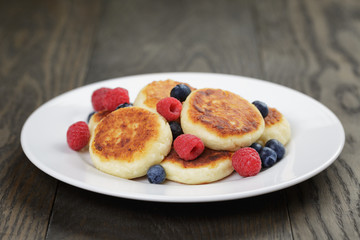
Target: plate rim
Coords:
[(180, 199)]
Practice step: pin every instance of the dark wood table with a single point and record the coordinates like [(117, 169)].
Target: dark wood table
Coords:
[(50, 47)]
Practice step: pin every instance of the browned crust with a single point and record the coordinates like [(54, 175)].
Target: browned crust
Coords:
[(223, 112), (209, 158), (273, 117), (100, 115), (124, 132), (158, 90)]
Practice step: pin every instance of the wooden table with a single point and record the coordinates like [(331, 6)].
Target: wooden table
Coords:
[(50, 47)]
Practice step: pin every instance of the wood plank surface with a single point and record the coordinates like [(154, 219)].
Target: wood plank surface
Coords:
[(50, 47), (319, 56), (139, 37), (158, 44), (45, 47), (80, 214)]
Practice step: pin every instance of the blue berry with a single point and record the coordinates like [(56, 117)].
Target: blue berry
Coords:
[(263, 108), (124, 105), (156, 174), (268, 157), (89, 117), (277, 146), (180, 92), (256, 146), (175, 129)]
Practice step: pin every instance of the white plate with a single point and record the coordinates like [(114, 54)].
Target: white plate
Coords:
[(317, 140)]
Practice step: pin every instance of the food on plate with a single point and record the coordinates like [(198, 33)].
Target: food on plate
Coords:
[(96, 118), (222, 119), (276, 127), (268, 157), (78, 135), (109, 99), (156, 174), (209, 167), (97, 98), (277, 146), (176, 132), (153, 92), (188, 146), (175, 129), (272, 152), (262, 107), (169, 108), (257, 146), (128, 141), (180, 92), (115, 97), (246, 161)]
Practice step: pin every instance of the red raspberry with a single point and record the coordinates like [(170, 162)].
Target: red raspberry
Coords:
[(188, 146), (97, 98), (115, 97), (246, 161), (169, 108), (78, 135)]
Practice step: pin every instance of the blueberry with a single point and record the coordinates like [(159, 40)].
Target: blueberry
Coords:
[(263, 108), (156, 174), (277, 146), (89, 117), (256, 146), (175, 129), (124, 105), (180, 92), (268, 157)]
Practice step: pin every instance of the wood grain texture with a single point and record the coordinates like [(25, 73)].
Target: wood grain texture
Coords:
[(319, 55), (44, 51), (50, 47), (164, 36), (81, 214), (171, 36)]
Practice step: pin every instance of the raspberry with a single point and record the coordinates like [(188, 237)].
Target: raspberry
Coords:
[(188, 146), (78, 135), (169, 108), (115, 97), (97, 98), (246, 161)]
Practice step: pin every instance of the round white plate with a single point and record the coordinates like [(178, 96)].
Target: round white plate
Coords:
[(317, 140)]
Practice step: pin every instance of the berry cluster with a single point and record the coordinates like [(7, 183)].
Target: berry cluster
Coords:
[(78, 134), (272, 152), (187, 146), (248, 161), (170, 107), (109, 99), (97, 98)]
